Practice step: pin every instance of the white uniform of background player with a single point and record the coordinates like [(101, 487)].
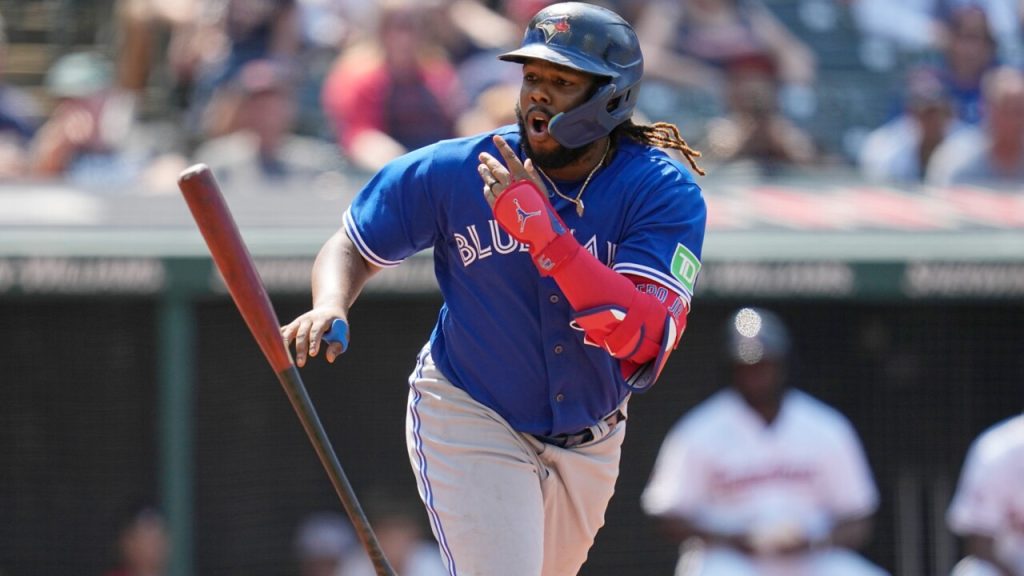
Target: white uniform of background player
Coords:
[(988, 507), (761, 479)]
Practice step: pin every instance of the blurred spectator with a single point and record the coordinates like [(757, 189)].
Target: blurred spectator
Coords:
[(969, 54), (762, 479), (494, 107), (250, 123), (322, 543), (143, 546), (987, 510), (92, 138), (399, 525), (492, 87), (899, 151), (482, 72), (258, 29), (332, 24), (692, 43), (630, 10), (235, 32), (327, 27), (994, 152), (922, 26), (18, 112), (149, 29), (753, 127), (394, 93), (464, 28)]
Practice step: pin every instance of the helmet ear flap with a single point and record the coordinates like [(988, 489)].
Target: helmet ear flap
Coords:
[(587, 122)]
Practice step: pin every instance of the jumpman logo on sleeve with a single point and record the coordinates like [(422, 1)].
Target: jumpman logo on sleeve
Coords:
[(522, 215)]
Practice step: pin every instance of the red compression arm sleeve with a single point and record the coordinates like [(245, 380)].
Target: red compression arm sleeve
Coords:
[(626, 317)]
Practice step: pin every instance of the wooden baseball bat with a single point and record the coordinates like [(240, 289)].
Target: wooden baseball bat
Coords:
[(211, 213)]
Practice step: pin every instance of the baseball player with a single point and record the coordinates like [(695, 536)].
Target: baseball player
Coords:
[(761, 478), (566, 279), (987, 510)]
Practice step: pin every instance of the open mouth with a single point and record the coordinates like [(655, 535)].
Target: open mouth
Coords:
[(538, 124)]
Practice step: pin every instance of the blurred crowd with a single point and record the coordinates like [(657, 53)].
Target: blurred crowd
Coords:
[(324, 542), (296, 91)]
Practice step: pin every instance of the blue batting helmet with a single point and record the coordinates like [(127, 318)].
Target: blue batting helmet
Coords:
[(594, 40), (754, 335)]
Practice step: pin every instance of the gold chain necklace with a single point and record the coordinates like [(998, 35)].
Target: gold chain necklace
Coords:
[(578, 200)]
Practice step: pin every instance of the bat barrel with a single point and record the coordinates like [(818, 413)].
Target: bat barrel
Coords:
[(204, 199)]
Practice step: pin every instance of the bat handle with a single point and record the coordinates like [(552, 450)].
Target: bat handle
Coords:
[(338, 333)]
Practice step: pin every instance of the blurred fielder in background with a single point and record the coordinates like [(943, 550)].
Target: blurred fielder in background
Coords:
[(566, 282), (988, 508), (762, 479)]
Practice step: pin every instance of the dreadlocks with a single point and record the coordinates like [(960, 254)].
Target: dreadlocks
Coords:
[(661, 135)]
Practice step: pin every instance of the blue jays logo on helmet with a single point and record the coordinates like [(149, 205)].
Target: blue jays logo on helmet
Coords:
[(552, 26), (596, 41)]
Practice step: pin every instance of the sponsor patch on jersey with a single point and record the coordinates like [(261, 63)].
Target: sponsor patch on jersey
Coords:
[(685, 267), (553, 26)]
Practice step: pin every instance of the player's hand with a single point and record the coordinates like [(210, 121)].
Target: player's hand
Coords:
[(498, 176), (307, 332), (778, 539)]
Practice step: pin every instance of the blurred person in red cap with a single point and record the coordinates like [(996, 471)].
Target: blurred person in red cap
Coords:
[(396, 92)]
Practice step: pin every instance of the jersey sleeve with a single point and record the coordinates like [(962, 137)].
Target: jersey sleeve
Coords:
[(664, 235), (394, 215), (975, 508), (850, 488), (677, 486)]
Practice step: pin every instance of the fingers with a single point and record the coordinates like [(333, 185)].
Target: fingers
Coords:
[(301, 342), (307, 332), (315, 332), (515, 165), (291, 332), (492, 170), (487, 172), (497, 176)]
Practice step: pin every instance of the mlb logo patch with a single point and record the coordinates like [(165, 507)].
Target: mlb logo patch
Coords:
[(685, 267)]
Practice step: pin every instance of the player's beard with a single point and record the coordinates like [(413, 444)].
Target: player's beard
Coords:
[(558, 158)]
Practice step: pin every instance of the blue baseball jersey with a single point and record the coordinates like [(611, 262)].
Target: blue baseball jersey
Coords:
[(503, 333)]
